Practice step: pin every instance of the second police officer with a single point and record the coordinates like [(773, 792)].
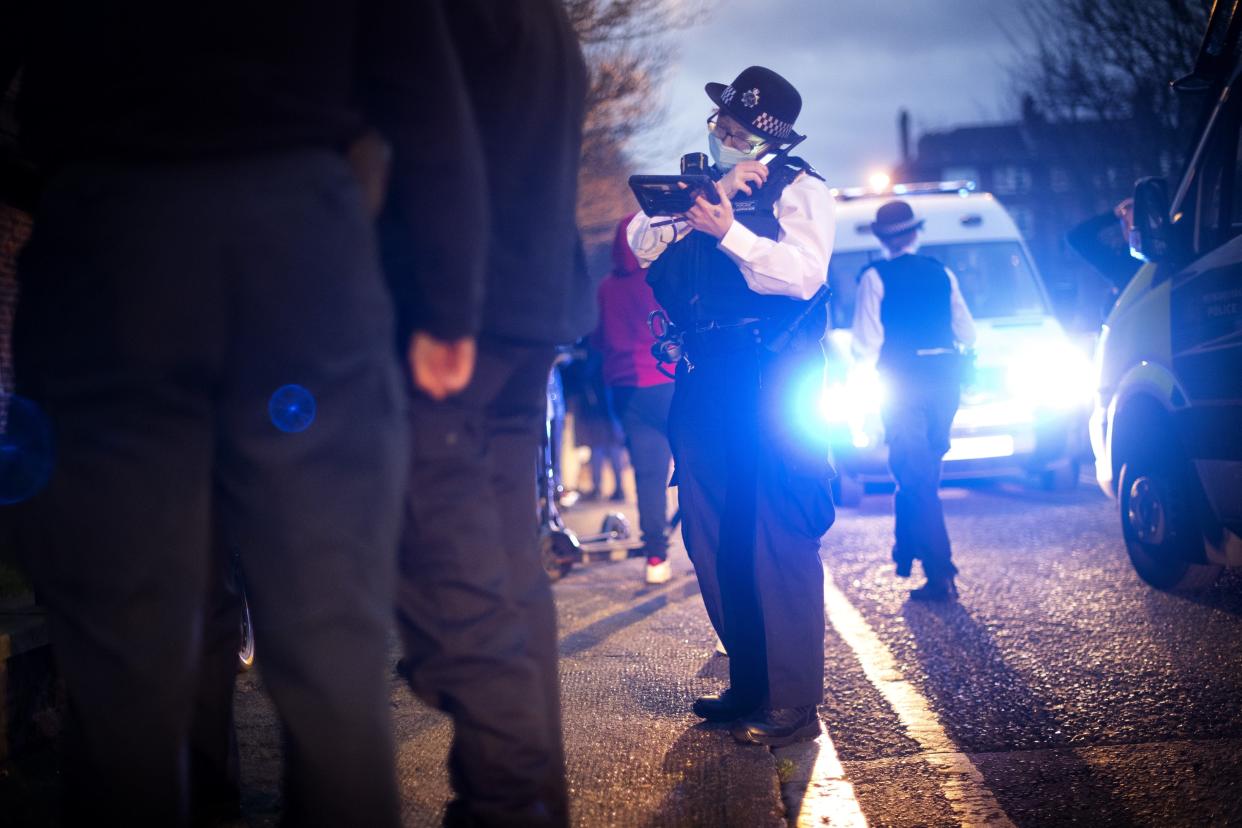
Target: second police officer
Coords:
[(909, 319), (744, 280)]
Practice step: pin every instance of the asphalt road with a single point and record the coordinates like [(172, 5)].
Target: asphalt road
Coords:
[(1060, 690), (1079, 694)]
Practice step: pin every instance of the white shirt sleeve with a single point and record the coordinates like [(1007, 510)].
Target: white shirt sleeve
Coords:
[(796, 262), (868, 330), (963, 323), (649, 242)]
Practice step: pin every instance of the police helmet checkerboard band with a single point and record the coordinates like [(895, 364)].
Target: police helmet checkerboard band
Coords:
[(760, 100)]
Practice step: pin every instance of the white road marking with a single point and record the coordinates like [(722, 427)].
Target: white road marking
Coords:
[(960, 781), (826, 797)]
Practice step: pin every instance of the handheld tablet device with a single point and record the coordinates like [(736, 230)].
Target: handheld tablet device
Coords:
[(660, 195)]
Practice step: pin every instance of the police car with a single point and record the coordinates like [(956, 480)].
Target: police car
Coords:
[(1167, 424), (1025, 404)]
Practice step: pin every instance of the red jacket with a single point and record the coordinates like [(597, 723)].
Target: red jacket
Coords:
[(625, 301)]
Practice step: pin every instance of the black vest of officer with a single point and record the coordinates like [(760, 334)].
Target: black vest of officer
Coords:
[(916, 312), (699, 285)]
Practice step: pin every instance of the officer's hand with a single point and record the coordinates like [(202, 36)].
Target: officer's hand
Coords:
[(441, 368), (712, 219), (746, 177)]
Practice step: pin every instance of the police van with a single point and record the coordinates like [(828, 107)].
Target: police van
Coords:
[(1025, 403), (1167, 423)]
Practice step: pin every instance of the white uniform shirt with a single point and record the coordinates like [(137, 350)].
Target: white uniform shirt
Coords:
[(794, 264), (869, 331)]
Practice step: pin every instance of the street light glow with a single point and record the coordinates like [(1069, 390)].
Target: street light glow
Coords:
[(880, 181)]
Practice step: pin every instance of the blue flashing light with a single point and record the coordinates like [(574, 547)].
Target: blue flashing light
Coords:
[(292, 409), (26, 450)]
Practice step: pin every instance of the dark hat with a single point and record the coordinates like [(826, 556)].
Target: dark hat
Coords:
[(760, 100), (895, 218)]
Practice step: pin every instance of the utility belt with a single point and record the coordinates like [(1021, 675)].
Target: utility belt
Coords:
[(927, 365), (715, 337)]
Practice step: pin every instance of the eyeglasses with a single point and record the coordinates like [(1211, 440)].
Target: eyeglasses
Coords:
[(742, 137)]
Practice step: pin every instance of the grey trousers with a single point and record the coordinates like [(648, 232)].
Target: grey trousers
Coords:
[(163, 305), (644, 417)]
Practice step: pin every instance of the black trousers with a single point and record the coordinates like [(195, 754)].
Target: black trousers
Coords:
[(162, 306), (917, 420), (755, 500), (644, 418), (475, 605)]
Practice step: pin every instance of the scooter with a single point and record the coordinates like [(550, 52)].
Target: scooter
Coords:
[(559, 547)]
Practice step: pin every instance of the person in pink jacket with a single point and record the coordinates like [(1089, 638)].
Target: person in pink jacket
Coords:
[(641, 394)]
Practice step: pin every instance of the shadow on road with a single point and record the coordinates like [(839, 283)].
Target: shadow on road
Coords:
[(717, 782), (987, 707), (595, 633)]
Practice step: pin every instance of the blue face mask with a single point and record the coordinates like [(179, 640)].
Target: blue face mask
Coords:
[(726, 157)]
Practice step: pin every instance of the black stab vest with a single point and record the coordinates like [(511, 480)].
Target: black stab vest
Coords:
[(916, 312), (698, 284)]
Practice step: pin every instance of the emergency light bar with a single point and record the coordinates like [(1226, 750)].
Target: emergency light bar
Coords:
[(961, 186)]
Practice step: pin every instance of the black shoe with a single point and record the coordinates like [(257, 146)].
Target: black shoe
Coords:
[(618, 495), (722, 707), (778, 727), (936, 589)]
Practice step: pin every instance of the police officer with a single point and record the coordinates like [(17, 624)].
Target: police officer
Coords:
[(743, 280), (909, 318), (475, 607)]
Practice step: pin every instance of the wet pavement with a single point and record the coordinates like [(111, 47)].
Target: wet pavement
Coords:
[(1059, 690)]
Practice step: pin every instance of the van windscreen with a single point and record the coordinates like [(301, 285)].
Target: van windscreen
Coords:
[(996, 279)]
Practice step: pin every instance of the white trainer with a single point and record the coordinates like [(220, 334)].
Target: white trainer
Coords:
[(659, 572)]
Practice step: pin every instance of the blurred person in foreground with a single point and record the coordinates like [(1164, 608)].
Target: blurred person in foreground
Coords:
[(205, 321), (641, 393), (475, 605), (744, 279), (909, 320)]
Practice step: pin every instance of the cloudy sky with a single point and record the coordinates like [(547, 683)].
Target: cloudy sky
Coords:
[(856, 62)]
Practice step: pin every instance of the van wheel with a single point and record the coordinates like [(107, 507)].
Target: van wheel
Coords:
[(1158, 522), (847, 491)]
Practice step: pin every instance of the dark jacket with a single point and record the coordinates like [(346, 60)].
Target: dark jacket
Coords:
[(527, 80), (138, 81), (1096, 241)]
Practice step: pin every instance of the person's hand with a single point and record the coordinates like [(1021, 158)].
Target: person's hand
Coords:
[(746, 177), (441, 368), (712, 219)]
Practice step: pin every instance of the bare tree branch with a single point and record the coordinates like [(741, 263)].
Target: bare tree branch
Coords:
[(625, 45)]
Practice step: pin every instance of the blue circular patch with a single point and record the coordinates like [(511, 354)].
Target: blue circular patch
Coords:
[(25, 449), (292, 409)]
